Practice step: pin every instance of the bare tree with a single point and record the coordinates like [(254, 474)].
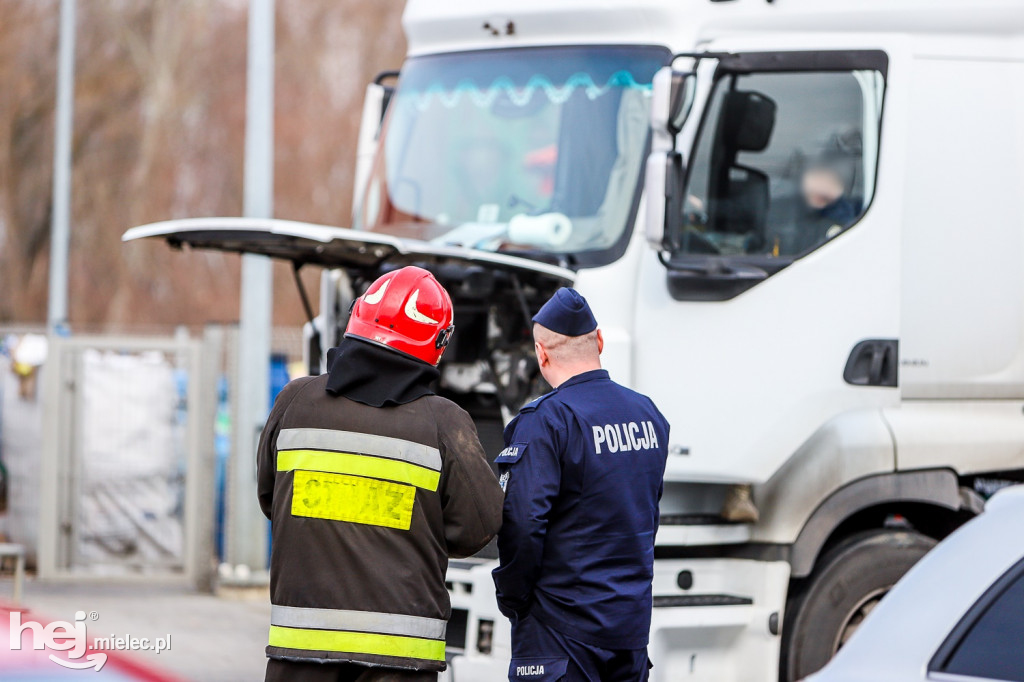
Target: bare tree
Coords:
[(159, 122)]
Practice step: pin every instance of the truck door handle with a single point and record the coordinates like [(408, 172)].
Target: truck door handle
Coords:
[(873, 362)]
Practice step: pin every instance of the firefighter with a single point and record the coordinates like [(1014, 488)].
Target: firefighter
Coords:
[(582, 471), (371, 483)]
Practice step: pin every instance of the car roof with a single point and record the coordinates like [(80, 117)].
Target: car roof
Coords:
[(903, 632)]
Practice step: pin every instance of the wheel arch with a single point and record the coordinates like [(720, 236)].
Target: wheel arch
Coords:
[(931, 500)]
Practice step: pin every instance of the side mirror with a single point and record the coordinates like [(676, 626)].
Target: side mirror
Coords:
[(746, 121), (671, 100), (664, 185), (375, 106)]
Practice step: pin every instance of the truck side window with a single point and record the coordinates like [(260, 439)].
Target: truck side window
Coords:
[(784, 162)]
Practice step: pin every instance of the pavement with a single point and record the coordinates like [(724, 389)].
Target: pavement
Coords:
[(213, 638)]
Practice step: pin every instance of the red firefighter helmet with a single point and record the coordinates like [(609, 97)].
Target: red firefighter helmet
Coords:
[(407, 311)]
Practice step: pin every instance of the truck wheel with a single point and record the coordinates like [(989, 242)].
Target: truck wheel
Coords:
[(848, 582)]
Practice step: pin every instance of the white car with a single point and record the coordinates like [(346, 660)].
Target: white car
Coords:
[(957, 615)]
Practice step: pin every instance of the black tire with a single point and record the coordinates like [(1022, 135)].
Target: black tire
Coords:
[(847, 583)]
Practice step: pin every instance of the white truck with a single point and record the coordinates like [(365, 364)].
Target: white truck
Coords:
[(801, 227)]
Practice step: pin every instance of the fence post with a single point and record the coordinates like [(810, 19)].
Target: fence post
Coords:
[(49, 532), (208, 369)]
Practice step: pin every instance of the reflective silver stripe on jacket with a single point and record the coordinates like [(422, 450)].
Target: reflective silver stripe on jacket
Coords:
[(360, 443), (357, 621)]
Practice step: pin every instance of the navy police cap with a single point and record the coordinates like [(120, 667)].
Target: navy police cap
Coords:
[(567, 313)]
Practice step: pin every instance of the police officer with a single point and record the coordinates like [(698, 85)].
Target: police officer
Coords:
[(582, 471), (371, 482)]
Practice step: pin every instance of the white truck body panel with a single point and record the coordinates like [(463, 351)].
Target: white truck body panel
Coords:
[(963, 334)]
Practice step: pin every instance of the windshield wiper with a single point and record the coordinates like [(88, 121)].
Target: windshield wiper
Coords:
[(516, 200)]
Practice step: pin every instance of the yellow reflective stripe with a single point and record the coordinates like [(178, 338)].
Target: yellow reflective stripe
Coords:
[(358, 465), (357, 643), (340, 497)]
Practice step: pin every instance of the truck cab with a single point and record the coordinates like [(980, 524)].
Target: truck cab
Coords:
[(800, 231)]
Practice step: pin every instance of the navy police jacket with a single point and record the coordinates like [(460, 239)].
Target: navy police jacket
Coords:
[(582, 471)]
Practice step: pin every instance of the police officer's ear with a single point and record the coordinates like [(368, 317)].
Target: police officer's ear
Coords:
[(600, 342), (543, 359)]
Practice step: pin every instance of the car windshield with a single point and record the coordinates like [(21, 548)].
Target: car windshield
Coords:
[(528, 150)]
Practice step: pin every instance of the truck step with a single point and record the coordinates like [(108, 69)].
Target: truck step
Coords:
[(701, 600)]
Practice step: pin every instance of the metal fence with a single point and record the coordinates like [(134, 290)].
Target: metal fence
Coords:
[(121, 460), (127, 457)]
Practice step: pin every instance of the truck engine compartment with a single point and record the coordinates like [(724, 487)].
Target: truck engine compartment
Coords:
[(490, 368)]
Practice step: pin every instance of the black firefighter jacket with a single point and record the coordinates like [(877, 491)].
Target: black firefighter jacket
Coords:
[(367, 504)]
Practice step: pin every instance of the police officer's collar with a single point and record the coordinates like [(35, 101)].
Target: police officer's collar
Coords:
[(592, 375)]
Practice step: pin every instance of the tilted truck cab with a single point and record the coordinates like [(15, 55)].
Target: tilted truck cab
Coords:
[(800, 230)]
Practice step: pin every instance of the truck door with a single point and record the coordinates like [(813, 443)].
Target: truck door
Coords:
[(773, 304)]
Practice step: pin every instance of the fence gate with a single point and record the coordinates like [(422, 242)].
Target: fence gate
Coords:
[(127, 459)]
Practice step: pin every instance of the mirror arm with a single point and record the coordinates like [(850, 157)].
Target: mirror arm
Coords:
[(387, 90), (385, 75)]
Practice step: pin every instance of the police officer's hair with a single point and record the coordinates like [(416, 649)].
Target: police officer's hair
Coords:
[(566, 349)]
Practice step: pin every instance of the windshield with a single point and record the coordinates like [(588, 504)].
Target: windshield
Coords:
[(528, 150)]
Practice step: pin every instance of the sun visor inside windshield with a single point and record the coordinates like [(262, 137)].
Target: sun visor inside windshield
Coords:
[(565, 70)]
